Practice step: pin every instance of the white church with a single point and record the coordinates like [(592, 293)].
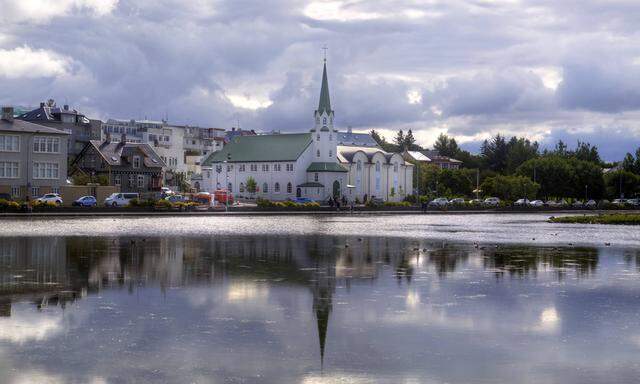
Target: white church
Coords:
[(320, 164)]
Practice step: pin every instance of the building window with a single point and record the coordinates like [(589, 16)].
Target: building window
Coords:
[(265, 167), (377, 166), (132, 180), (359, 165), (315, 177), (318, 137), (140, 181), (117, 180), (289, 167), (241, 168), (230, 187), (265, 188), (15, 191), (318, 153), (241, 187), (330, 153), (136, 161), (324, 120), (254, 167), (35, 191), (9, 143), (55, 190), (9, 170), (276, 187), (289, 188), (229, 168), (42, 144), (46, 170), (395, 167)]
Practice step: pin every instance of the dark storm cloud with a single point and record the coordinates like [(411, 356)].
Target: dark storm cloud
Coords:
[(542, 68)]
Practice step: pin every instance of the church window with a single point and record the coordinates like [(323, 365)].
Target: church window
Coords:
[(230, 187), (265, 188), (377, 166), (276, 187), (324, 120), (254, 167), (395, 167), (359, 165), (318, 137), (289, 188), (265, 167), (318, 153), (315, 177), (241, 168), (330, 153)]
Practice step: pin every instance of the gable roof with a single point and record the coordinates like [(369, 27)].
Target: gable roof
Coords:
[(326, 167), (27, 127), (279, 147), (113, 153), (356, 139)]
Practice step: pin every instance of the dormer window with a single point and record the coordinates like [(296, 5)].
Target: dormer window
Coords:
[(136, 161), (324, 120)]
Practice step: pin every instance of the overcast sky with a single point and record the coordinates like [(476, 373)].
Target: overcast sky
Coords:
[(543, 69)]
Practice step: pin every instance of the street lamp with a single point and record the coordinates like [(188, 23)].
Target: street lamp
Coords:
[(226, 201)]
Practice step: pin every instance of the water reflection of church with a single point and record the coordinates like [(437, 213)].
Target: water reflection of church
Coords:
[(56, 271)]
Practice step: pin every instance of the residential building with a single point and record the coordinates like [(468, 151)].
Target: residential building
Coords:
[(199, 141), (133, 167), (432, 157), (80, 128), (237, 132), (33, 157), (313, 164)]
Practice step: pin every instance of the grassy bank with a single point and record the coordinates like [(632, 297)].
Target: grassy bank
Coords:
[(609, 218)]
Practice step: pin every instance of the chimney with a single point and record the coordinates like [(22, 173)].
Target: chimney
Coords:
[(7, 114)]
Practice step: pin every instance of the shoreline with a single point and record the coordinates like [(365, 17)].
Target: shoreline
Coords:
[(281, 212)]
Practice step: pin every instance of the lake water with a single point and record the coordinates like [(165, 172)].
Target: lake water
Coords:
[(318, 299)]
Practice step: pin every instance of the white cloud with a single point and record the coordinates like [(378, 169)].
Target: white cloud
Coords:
[(39, 11), (25, 62), (23, 326)]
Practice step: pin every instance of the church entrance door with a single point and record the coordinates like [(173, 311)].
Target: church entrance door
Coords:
[(336, 189), (298, 192)]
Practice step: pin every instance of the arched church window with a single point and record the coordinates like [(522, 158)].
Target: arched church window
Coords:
[(318, 153), (395, 167), (289, 188), (265, 188), (324, 120), (276, 187), (359, 165), (330, 153), (377, 166)]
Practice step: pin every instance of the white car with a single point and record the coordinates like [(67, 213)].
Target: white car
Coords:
[(619, 202), (439, 202), (457, 201), (51, 198), (491, 202), (521, 202), (577, 204), (536, 203), (591, 204), (120, 199)]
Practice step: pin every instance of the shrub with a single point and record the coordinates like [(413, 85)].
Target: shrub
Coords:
[(397, 204), (312, 205), (411, 199), (41, 205), (7, 205), (264, 203), (162, 204)]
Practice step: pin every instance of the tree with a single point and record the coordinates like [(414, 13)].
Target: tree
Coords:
[(251, 185), (446, 146), (409, 141), (629, 163), (621, 183), (400, 139), (379, 139), (519, 151), (587, 152), (495, 153), (510, 187)]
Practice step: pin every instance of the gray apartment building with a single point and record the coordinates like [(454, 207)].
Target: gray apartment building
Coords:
[(80, 128), (33, 158)]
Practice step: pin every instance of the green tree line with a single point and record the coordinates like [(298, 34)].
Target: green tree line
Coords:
[(516, 167)]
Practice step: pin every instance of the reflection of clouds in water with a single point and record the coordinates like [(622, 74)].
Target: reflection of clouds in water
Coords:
[(40, 377), (247, 291), (549, 320), (30, 325)]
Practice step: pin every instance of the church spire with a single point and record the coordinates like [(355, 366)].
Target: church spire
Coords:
[(325, 103)]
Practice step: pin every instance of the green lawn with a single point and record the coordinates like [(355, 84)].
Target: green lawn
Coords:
[(612, 218)]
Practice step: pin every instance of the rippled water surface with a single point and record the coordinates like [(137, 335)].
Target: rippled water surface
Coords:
[(319, 299)]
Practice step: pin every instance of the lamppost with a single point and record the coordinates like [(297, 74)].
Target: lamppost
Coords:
[(586, 193), (226, 200)]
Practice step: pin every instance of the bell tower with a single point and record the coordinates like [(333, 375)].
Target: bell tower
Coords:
[(324, 135)]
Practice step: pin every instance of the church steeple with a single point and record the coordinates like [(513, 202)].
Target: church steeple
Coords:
[(325, 102)]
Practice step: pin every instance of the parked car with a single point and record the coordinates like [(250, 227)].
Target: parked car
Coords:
[(619, 202), (563, 203), (475, 202), (439, 202), (120, 199), (553, 204), (50, 198), (491, 202), (457, 201), (302, 200), (221, 196), (521, 202), (536, 203), (85, 201), (634, 202), (577, 204), (591, 204), (176, 198)]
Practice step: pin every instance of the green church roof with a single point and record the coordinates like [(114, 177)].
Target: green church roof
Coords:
[(279, 147), (326, 167), (325, 103)]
